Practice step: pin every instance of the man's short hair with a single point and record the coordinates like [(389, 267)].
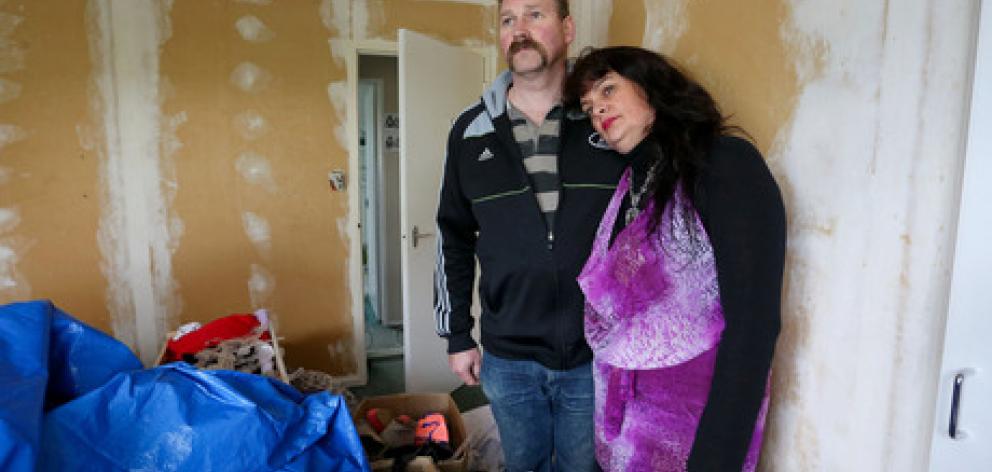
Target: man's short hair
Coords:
[(562, 7)]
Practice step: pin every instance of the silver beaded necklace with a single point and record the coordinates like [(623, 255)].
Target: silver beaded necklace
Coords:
[(635, 197)]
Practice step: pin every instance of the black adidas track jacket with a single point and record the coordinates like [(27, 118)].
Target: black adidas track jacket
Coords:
[(532, 307)]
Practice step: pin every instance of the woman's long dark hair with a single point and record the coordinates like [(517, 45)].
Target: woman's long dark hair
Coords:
[(687, 119)]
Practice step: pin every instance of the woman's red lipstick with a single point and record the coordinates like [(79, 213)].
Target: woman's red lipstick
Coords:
[(608, 122)]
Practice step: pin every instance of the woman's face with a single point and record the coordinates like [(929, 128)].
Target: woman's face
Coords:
[(619, 111)]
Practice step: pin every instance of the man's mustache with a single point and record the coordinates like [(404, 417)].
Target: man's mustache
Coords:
[(524, 43)]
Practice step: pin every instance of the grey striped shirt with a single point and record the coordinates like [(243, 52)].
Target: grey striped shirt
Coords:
[(539, 147)]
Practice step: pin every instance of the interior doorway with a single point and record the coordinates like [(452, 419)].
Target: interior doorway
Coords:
[(378, 153), (434, 82)]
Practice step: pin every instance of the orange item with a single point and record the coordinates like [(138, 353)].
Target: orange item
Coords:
[(431, 429)]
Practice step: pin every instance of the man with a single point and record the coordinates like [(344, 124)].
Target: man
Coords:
[(524, 186)]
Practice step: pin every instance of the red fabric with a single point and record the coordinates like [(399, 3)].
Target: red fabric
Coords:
[(211, 334)]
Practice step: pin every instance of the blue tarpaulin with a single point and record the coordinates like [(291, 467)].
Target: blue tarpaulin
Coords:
[(105, 413)]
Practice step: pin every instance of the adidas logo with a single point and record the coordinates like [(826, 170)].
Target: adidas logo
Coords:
[(486, 155)]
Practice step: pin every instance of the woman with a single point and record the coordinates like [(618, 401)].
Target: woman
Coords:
[(684, 278)]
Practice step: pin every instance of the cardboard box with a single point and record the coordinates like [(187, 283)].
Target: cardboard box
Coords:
[(417, 405)]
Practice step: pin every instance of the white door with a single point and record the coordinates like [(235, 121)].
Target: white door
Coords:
[(962, 437), (437, 81)]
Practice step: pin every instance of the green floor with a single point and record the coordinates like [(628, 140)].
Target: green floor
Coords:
[(386, 378)]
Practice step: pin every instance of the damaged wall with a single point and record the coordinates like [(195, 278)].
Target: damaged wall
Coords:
[(164, 161), (859, 109), (50, 190)]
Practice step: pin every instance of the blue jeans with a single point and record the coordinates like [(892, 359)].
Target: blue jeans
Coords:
[(541, 413)]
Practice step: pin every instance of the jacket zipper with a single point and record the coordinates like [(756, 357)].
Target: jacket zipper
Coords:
[(551, 235)]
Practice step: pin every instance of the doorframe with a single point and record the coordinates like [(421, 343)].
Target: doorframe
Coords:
[(354, 49), (354, 220)]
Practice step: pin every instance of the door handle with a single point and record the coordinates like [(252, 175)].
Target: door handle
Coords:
[(952, 426), (416, 235)]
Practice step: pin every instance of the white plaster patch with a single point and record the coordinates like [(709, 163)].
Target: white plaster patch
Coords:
[(257, 230), (256, 170), (88, 137), (340, 48), (248, 77), (665, 23), (260, 286), (13, 285), (336, 17), (163, 20), (337, 92), (251, 124), (176, 230), (360, 19), (9, 23), (135, 228), (879, 113), (10, 134), (170, 139), (11, 51), (9, 219), (255, 2), (253, 30), (344, 229), (592, 24), (9, 90)]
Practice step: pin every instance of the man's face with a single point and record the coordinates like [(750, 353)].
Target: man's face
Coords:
[(532, 35)]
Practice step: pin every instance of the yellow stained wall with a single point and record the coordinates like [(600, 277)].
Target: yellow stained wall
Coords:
[(53, 183), (56, 184), (305, 259), (734, 49), (308, 258)]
